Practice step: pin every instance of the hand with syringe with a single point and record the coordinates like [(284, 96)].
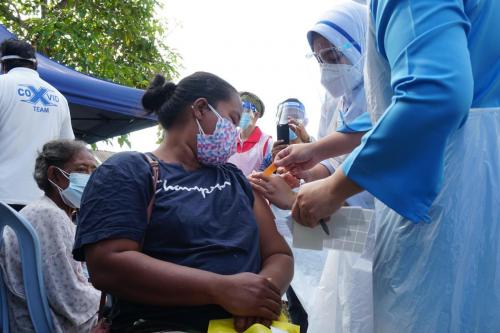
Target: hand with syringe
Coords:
[(278, 188), (275, 188)]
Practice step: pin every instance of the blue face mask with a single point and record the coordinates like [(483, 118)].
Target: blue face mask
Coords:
[(245, 120), (292, 135), (72, 195)]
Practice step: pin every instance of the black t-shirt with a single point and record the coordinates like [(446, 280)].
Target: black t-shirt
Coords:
[(201, 219)]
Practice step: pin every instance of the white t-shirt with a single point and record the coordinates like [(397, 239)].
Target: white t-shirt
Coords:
[(32, 112)]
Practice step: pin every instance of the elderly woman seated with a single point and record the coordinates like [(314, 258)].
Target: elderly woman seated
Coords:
[(62, 169), (211, 249)]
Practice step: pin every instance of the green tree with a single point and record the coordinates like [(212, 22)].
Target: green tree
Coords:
[(121, 41)]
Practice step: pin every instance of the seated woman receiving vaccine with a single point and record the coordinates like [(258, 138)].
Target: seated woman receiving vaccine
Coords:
[(211, 249)]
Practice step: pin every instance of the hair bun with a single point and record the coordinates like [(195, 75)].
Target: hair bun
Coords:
[(158, 92)]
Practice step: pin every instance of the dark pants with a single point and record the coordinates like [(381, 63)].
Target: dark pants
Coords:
[(297, 313), (17, 207)]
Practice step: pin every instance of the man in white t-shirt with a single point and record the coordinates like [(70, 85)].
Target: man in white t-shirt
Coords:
[(32, 112)]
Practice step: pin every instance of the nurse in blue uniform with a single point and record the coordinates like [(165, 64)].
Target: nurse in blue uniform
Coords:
[(432, 161)]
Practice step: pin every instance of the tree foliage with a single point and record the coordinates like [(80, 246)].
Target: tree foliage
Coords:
[(121, 41)]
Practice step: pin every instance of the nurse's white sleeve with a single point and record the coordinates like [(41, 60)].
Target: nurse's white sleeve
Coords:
[(400, 161), (329, 165)]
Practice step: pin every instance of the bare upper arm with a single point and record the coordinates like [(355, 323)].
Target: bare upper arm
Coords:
[(271, 241), (99, 256)]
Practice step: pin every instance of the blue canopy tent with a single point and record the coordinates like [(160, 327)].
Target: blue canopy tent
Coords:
[(99, 109)]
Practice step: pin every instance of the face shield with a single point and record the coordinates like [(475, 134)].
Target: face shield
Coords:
[(291, 110), (248, 114), (248, 106)]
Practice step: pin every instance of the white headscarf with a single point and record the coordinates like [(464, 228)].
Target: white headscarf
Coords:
[(345, 24)]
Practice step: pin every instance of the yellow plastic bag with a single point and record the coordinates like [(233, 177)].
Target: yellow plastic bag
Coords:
[(227, 326)]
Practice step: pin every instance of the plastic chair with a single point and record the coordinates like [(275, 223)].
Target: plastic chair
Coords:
[(34, 288), (4, 310)]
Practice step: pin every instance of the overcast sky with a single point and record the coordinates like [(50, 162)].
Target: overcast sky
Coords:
[(258, 46)]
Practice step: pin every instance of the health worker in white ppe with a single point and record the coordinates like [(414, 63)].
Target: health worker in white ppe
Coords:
[(342, 302), (337, 41), (338, 44), (433, 162)]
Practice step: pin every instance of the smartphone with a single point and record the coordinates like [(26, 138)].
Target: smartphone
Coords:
[(284, 133)]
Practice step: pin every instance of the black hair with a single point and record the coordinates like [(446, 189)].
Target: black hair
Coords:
[(20, 48), (56, 153), (167, 99)]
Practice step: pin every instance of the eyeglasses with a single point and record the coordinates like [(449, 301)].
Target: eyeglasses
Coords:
[(330, 55)]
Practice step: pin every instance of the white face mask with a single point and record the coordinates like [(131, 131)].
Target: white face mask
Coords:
[(340, 79), (72, 195)]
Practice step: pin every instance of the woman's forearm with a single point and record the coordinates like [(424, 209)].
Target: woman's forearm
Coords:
[(337, 144), (277, 258), (279, 268), (319, 171), (117, 267), (135, 276), (343, 187)]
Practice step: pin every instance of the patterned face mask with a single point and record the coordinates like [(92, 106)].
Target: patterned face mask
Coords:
[(216, 148)]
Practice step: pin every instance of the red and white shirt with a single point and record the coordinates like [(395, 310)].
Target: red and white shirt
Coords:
[(254, 153)]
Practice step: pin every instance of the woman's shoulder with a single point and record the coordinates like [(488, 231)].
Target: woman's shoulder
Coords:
[(265, 137), (230, 167), (43, 207), (44, 214), (235, 172), (240, 177), (126, 158), (124, 164)]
